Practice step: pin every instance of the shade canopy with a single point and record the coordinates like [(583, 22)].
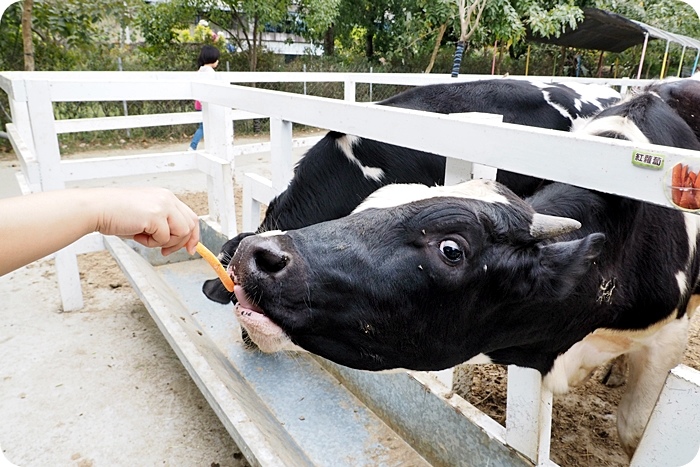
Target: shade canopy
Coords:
[(603, 30)]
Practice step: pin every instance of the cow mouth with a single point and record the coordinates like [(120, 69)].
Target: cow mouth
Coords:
[(268, 336)]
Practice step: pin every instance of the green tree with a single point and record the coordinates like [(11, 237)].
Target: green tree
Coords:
[(159, 22), (469, 14), (318, 17), (65, 35), (243, 21)]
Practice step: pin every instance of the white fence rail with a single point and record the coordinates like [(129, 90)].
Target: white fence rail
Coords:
[(595, 163)]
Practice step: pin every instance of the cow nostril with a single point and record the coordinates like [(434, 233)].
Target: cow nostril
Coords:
[(270, 261)]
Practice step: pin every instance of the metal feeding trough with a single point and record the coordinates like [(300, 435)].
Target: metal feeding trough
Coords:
[(297, 409)]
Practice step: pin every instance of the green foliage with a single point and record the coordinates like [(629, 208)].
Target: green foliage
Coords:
[(158, 23), (318, 16), (551, 20), (79, 23), (202, 34), (68, 35), (501, 21), (11, 52)]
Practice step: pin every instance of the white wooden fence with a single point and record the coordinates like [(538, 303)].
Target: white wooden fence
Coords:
[(595, 163)]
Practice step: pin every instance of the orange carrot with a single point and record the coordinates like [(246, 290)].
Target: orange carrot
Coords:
[(684, 173), (216, 265), (688, 199), (696, 190), (676, 182)]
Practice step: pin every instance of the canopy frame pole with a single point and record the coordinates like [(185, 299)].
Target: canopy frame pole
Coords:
[(695, 65), (663, 65), (680, 65), (527, 60), (493, 61), (644, 52)]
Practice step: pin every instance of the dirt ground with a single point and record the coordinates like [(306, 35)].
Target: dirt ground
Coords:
[(55, 369), (584, 430)]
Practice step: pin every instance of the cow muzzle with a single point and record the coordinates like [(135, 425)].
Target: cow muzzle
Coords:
[(260, 265), (263, 257)]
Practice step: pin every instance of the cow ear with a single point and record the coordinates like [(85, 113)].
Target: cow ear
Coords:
[(562, 265), (216, 292)]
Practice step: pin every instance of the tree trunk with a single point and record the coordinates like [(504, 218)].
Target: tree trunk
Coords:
[(457, 61), (499, 60), (28, 43), (329, 42), (436, 49), (599, 73), (562, 60), (253, 47), (369, 44)]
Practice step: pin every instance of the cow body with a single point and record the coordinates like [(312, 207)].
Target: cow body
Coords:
[(341, 170), (427, 278)]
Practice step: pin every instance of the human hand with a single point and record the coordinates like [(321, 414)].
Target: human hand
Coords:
[(153, 217)]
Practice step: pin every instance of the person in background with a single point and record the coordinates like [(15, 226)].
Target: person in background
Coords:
[(36, 225), (208, 60)]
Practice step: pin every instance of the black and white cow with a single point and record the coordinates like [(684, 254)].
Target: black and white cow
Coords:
[(341, 170), (427, 278)]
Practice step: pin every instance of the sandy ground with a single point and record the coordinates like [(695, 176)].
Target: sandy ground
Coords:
[(99, 387), (102, 386), (584, 430)]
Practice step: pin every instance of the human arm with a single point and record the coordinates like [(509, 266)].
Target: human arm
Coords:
[(39, 224)]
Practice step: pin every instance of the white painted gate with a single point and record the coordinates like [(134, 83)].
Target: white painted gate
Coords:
[(594, 163)]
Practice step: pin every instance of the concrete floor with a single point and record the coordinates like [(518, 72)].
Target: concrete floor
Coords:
[(99, 387)]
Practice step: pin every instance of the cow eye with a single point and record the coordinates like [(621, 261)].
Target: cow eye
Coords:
[(451, 250)]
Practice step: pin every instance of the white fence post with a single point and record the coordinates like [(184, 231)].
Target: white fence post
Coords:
[(459, 170), (218, 138), (218, 130), (257, 191), (48, 156), (528, 414), (349, 90), (672, 436), (20, 117), (281, 153)]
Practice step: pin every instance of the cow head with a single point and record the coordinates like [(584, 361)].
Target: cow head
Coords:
[(418, 278)]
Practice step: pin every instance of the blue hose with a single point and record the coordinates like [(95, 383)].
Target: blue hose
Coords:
[(458, 59)]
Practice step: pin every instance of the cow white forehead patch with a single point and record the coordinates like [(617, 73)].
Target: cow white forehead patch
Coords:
[(346, 144), (399, 194), (271, 233), (614, 124)]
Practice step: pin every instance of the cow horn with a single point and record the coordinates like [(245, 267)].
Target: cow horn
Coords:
[(544, 226)]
